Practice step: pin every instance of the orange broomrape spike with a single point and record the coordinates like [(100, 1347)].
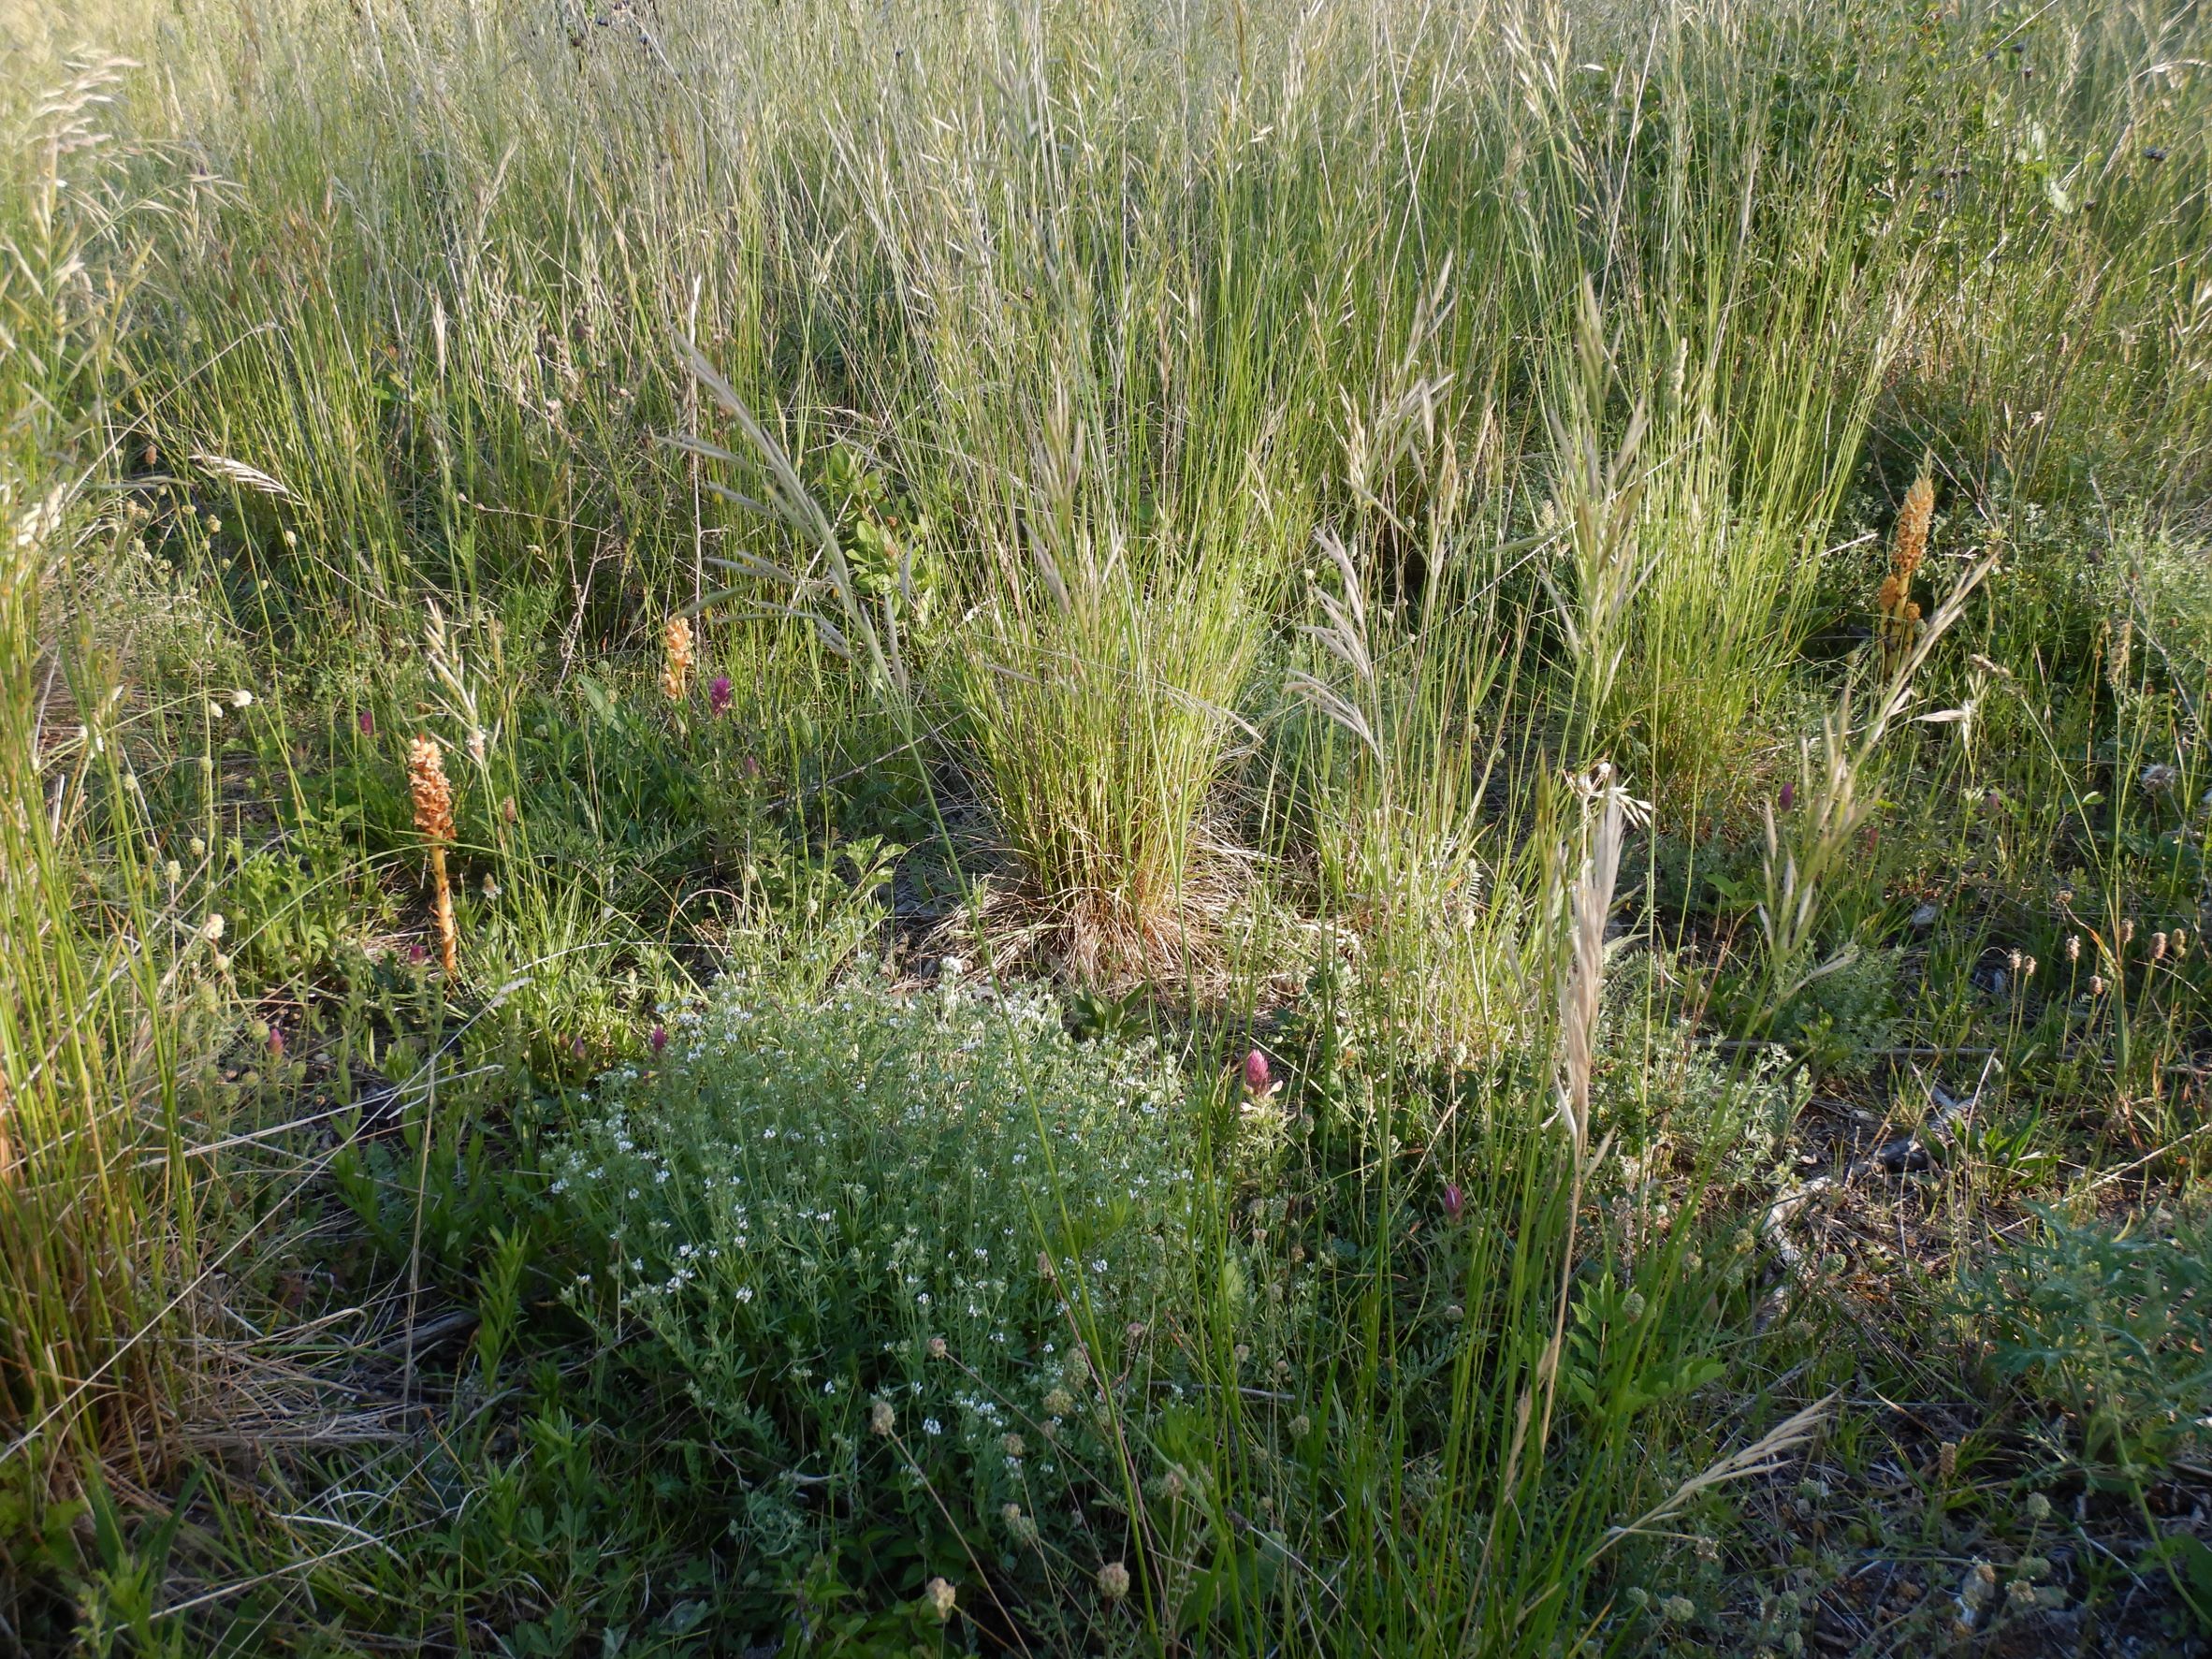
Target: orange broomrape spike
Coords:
[(433, 820)]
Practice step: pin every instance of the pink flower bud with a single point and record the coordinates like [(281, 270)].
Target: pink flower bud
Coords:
[(659, 1039), (368, 723), (1788, 797), (276, 1043), (1455, 1201), (1258, 1078)]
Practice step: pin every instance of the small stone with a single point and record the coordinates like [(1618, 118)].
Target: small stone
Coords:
[(1925, 916)]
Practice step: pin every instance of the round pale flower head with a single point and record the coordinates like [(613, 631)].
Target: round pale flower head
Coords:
[(1114, 1580), (211, 929), (936, 1347), (881, 1417), (241, 698), (941, 1597)]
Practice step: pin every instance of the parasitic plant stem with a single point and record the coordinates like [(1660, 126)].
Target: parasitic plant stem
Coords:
[(433, 819)]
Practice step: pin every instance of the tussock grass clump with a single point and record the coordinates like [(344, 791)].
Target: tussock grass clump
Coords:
[(1101, 711)]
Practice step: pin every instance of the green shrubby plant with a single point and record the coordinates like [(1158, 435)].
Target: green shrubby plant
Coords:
[(2106, 1320), (1843, 1021), (1725, 1118), (901, 1252)]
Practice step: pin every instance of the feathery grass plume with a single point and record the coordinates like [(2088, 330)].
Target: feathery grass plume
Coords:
[(1598, 498), (1582, 995), (245, 477), (875, 625), (1344, 636), (678, 656), (1899, 621), (433, 820), (449, 667), (1763, 1455), (1583, 989)]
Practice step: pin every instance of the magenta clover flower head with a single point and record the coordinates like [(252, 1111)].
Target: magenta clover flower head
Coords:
[(1455, 1201), (717, 695), (368, 723), (1258, 1078), (1788, 797), (659, 1039), (276, 1043)]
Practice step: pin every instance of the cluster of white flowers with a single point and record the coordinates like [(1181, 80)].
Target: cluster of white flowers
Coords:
[(858, 1187)]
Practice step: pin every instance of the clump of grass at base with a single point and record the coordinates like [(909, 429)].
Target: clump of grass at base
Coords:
[(1101, 709)]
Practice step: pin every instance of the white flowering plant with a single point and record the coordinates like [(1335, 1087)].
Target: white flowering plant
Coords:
[(901, 1253)]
